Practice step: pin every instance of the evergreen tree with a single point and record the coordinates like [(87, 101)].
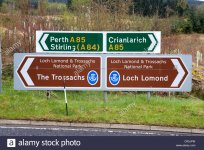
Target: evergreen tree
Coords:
[(1, 1), (69, 4), (181, 7), (160, 7)]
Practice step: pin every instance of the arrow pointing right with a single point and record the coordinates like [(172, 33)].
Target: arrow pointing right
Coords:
[(181, 73), (42, 41), (24, 71), (154, 42)]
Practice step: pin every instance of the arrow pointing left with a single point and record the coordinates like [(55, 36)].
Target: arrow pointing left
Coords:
[(42, 42), (24, 71)]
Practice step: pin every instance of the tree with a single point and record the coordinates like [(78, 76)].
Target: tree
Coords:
[(197, 17), (181, 7), (151, 7), (42, 7), (162, 8), (1, 1), (24, 6), (69, 4), (116, 6)]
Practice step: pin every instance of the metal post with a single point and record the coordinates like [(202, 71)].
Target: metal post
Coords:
[(105, 95), (48, 94), (0, 67), (197, 59), (65, 96), (148, 96), (169, 94)]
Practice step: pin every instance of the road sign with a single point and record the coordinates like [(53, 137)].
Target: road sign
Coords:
[(124, 72), (149, 73), (42, 72), (109, 42), (137, 42), (56, 42)]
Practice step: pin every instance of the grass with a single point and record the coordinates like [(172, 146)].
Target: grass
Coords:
[(87, 106)]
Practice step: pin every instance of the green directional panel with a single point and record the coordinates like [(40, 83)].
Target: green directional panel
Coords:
[(79, 42), (131, 42)]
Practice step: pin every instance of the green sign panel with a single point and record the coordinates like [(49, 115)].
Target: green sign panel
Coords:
[(131, 42), (66, 41)]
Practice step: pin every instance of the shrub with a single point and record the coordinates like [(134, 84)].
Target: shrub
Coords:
[(197, 17), (4, 8), (56, 8), (182, 25), (7, 71)]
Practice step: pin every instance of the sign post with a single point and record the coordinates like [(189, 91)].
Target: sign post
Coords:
[(0, 66), (48, 94), (105, 94), (65, 96), (148, 96)]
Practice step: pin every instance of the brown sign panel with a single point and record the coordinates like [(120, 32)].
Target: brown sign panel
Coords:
[(48, 71), (145, 72)]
